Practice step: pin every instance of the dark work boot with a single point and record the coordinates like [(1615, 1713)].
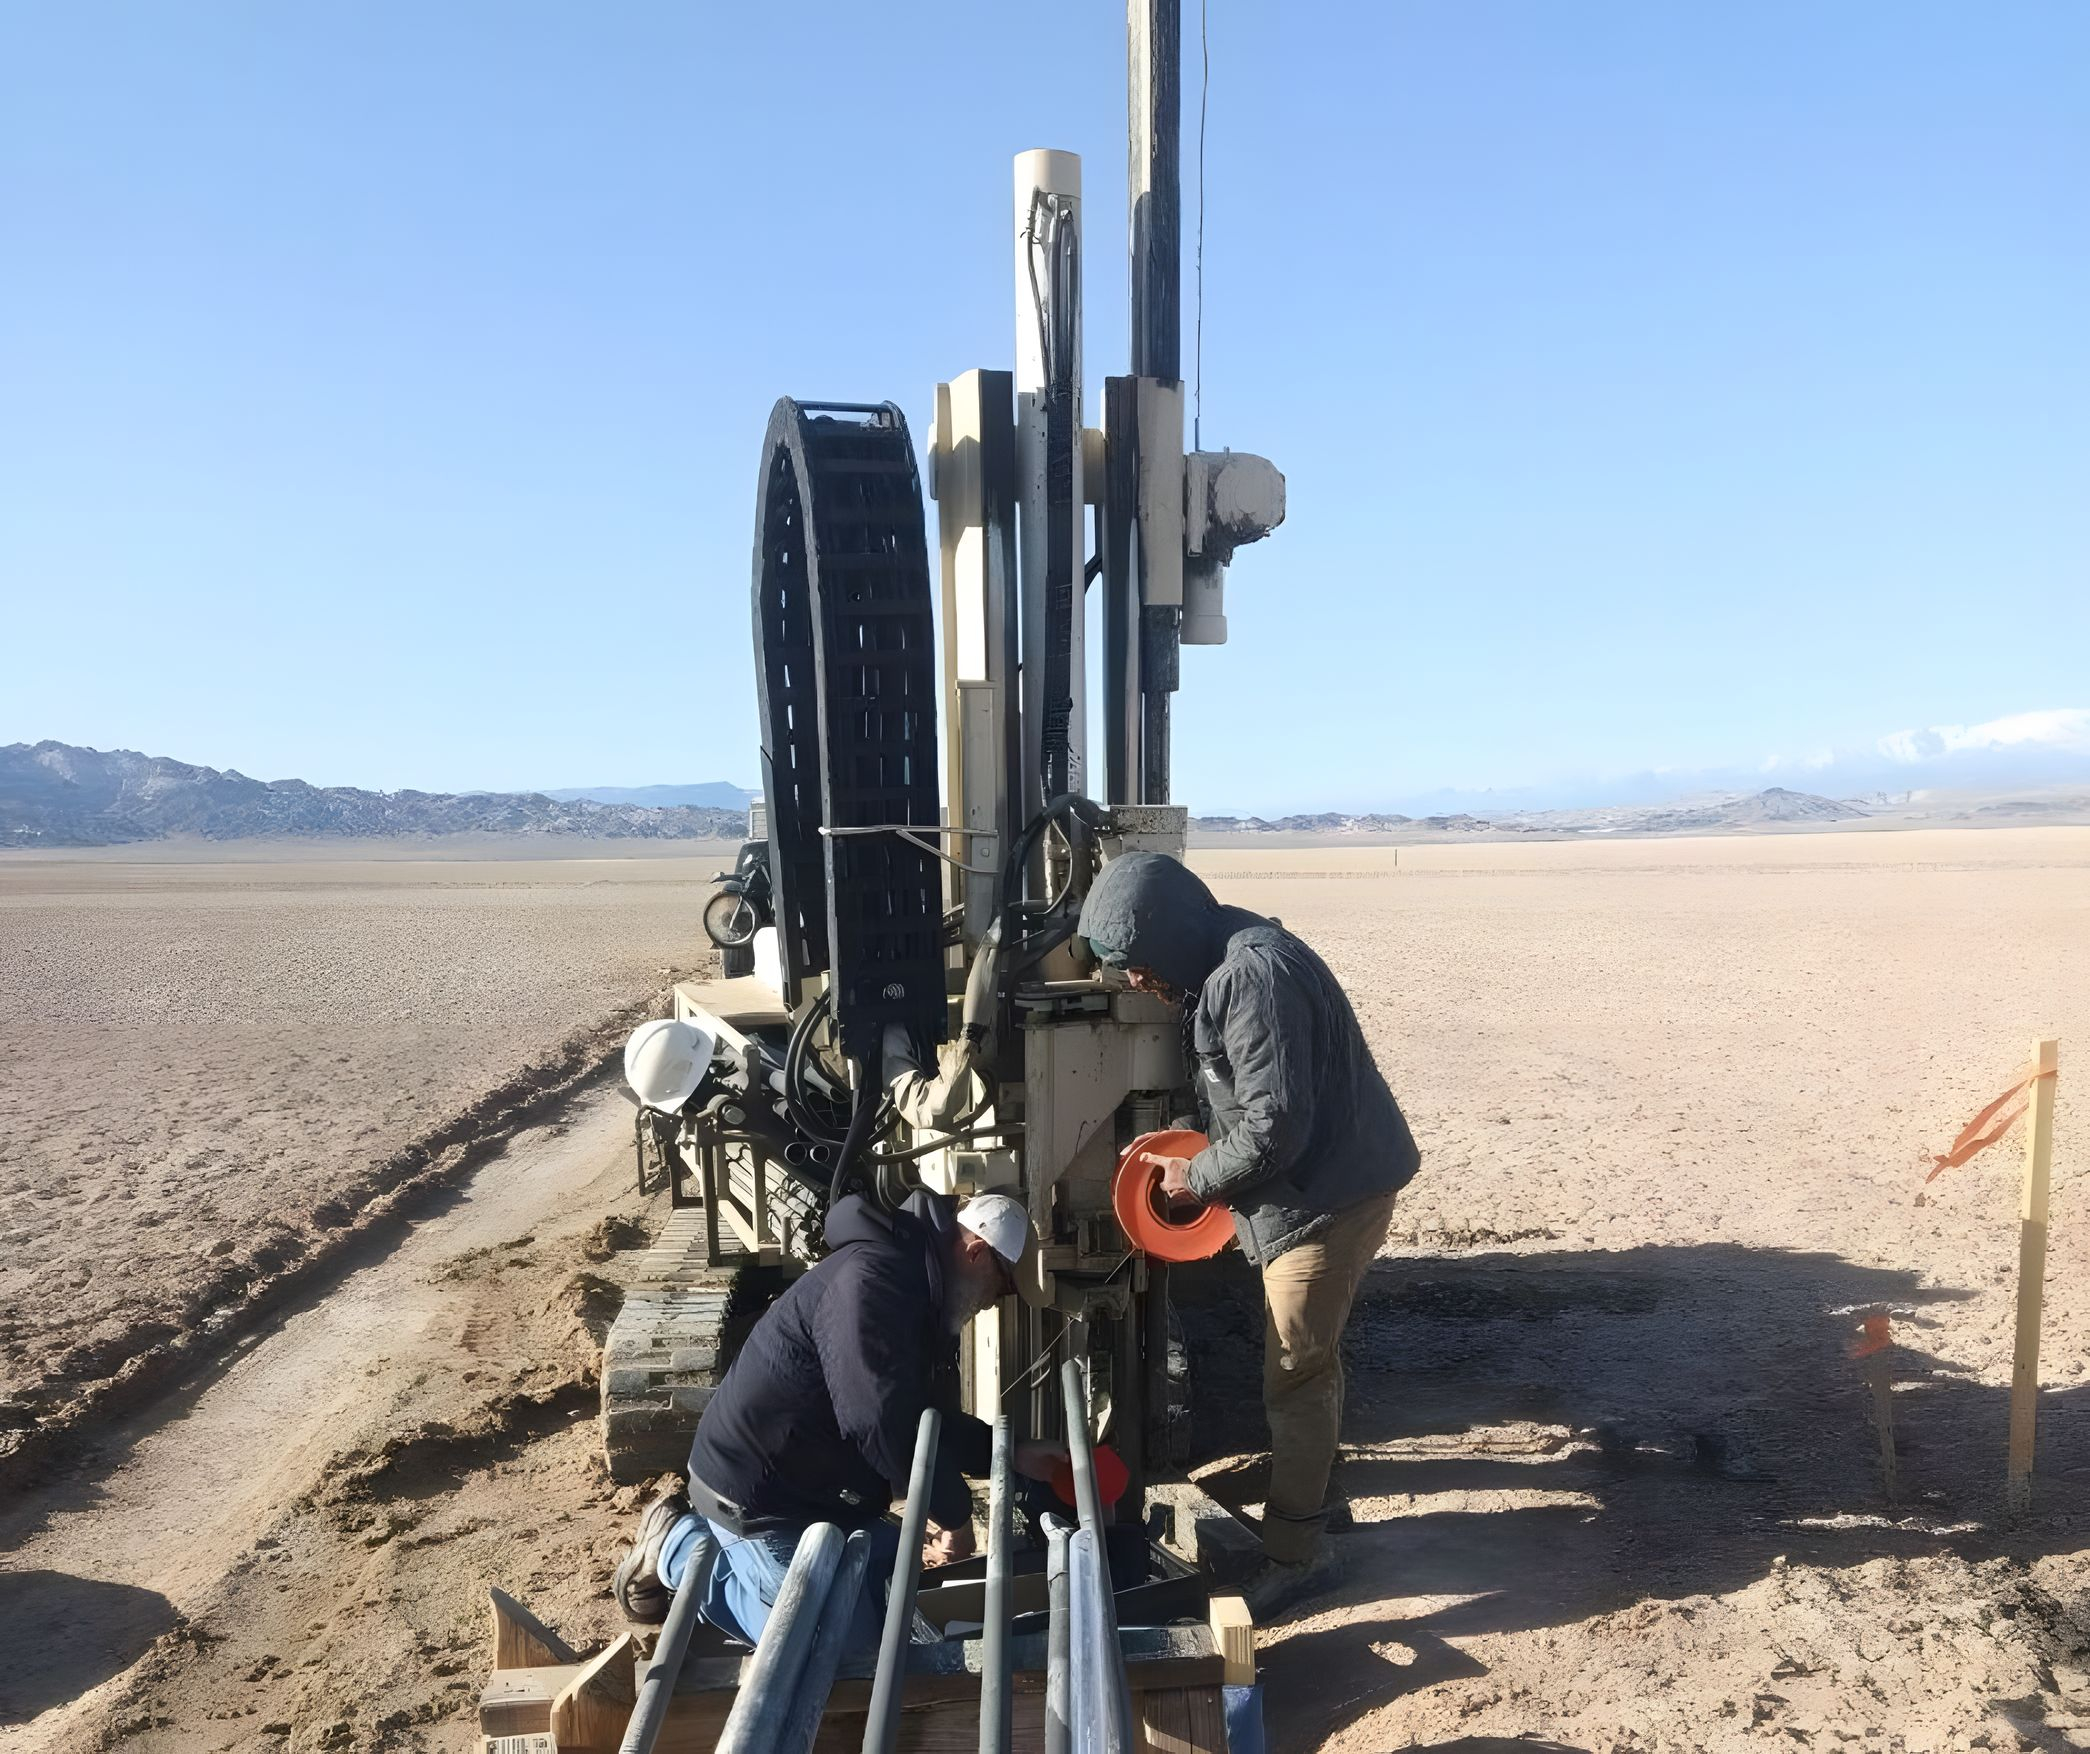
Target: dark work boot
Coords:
[(637, 1584)]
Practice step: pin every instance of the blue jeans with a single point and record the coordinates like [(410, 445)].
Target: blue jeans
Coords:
[(747, 1571)]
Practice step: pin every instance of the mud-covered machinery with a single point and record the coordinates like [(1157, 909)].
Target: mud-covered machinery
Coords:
[(922, 1011)]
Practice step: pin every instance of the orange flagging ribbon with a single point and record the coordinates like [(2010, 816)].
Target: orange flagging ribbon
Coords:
[(1990, 1124), (1875, 1336)]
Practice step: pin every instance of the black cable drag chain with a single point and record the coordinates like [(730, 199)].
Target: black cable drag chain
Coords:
[(846, 666)]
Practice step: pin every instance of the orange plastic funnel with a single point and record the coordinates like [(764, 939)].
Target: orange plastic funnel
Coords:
[(1135, 1196), (1112, 1477)]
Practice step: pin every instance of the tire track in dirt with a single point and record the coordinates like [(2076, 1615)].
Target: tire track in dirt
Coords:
[(370, 1207), (116, 1559)]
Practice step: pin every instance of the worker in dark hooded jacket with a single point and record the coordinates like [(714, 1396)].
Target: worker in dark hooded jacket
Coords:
[(817, 1418), (1308, 1150)]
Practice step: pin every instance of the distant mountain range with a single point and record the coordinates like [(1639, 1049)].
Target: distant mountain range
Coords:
[(711, 795), (57, 795), (54, 794), (1773, 808)]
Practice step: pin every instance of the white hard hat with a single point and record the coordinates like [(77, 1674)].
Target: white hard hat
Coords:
[(1004, 1226), (665, 1061)]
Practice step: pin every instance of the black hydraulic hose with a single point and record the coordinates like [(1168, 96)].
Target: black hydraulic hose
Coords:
[(1034, 949), (868, 1096), (1089, 812), (796, 1051)]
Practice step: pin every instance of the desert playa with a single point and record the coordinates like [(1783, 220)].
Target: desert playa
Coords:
[(1613, 1475), (215, 1056)]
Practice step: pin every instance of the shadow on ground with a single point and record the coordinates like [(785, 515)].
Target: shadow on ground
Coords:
[(61, 1635), (1718, 1423)]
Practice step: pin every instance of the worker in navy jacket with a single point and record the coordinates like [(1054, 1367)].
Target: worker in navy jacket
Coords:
[(817, 1418)]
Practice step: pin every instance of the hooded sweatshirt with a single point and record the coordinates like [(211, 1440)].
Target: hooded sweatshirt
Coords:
[(816, 1419), (1301, 1121)]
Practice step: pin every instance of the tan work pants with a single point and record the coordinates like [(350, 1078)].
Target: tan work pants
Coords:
[(1307, 1292)]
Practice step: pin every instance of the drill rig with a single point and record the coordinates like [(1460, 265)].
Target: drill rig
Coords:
[(922, 1012)]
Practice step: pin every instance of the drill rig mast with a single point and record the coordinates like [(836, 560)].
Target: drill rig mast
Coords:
[(922, 1013)]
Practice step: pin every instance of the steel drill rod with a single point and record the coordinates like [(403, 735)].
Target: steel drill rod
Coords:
[(658, 1688), (1074, 1396), (1089, 1504), (1090, 1649), (1059, 1736), (996, 1702), (769, 1684), (882, 1725), (830, 1640)]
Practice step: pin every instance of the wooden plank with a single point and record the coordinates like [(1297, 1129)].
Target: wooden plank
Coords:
[(592, 1709), (599, 1693), (744, 1002), (518, 1702), (951, 1728), (1155, 1656), (1234, 1633), (1182, 1720), (520, 1639), (2031, 1272)]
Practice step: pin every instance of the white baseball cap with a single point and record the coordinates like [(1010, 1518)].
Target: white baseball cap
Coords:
[(1003, 1225)]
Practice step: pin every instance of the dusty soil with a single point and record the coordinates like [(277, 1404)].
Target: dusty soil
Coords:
[(213, 1066), (1612, 1477), (295, 1553)]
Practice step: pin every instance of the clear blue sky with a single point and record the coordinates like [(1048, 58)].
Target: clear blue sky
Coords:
[(1657, 384)]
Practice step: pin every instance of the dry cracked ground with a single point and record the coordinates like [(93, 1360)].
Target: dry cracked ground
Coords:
[(1612, 1475)]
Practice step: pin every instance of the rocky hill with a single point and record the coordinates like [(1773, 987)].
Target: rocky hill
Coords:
[(54, 794)]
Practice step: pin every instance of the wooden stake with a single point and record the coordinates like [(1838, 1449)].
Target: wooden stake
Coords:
[(1234, 1632), (2031, 1274), (1879, 1373)]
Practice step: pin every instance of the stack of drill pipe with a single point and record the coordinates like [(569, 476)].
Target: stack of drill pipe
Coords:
[(996, 1702), (1109, 1697), (818, 1679), (882, 1724), (769, 1688), (791, 1203)]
